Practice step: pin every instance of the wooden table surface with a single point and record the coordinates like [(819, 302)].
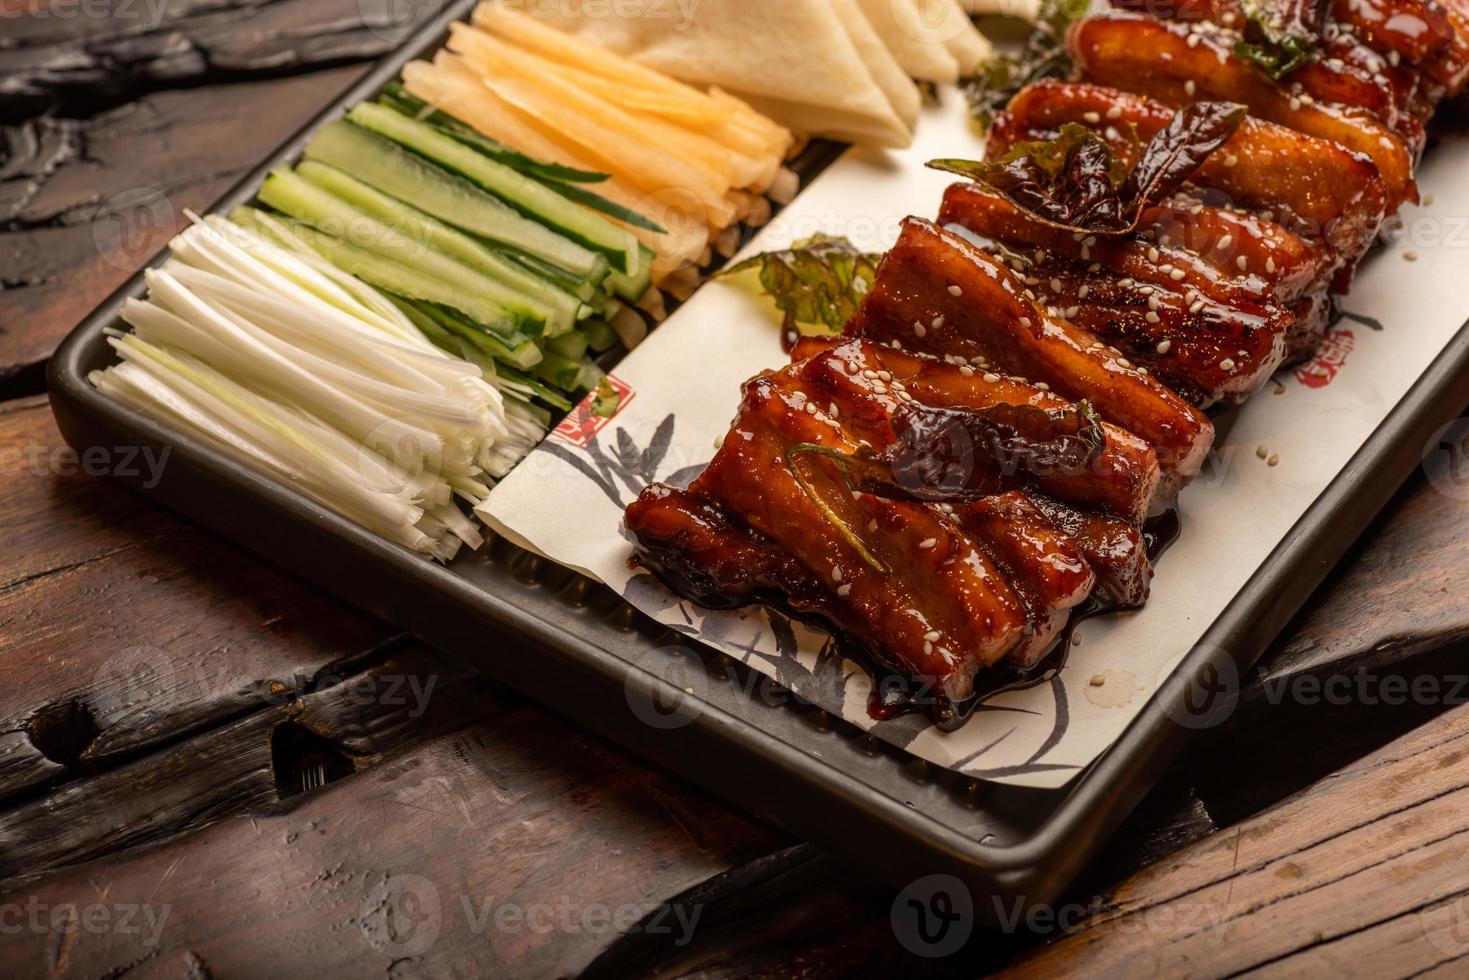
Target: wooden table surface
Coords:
[(210, 769)]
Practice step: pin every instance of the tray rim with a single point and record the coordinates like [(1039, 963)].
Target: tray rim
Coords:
[(1036, 868)]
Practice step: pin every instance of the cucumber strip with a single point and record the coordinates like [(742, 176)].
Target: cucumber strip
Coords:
[(518, 352), (573, 345), (527, 196), (583, 289), (600, 335), (379, 162), (557, 371), (559, 308), (632, 288), (591, 375), (452, 343), (537, 387), (399, 99), (395, 277), (291, 194)]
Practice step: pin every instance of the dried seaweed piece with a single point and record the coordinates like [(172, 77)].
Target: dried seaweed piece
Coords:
[(819, 281)]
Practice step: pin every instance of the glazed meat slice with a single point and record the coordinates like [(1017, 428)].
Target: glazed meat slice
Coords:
[(936, 591), (1337, 68), (705, 555), (1430, 35), (1204, 351), (936, 293), (1315, 186), (918, 591), (1179, 63), (1227, 256), (1045, 567), (863, 380), (1113, 548)]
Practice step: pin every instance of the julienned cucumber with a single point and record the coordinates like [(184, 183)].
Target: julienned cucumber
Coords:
[(523, 354), (632, 288), (395, 277), (559, 307), (531, 198), (291, 194), (382, 164)]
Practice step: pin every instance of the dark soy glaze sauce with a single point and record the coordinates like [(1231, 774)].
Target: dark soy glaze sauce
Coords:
[(895, 694)]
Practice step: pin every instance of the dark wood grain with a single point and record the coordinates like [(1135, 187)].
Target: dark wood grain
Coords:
[(1362, 874), (163, 690), (425, 865)]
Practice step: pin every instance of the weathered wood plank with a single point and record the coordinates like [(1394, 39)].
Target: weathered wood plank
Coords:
[(1370, 848), (83, 202), (514, 847), (344, 725), (122, 627)]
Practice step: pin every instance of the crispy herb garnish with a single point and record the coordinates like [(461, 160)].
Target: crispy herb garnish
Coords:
[(605, 400), (818, 282), (945, 455), (1001, 76), (1283, 38), (1075, 184)]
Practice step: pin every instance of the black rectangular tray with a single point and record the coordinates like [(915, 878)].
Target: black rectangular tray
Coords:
[(576, 646)]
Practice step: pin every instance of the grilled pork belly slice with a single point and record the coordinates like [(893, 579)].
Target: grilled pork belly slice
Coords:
[(1045, 567), (1337, 70), (1203, 351), (1229, 256), (937, 591), (1316, 187), (863, 379), (1180, 63), (936, 293)]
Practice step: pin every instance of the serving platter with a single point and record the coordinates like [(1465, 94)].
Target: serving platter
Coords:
[(575, 645)]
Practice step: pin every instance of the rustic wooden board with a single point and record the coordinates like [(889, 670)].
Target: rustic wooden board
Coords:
[(517, 816), (511, 804), (122, 627), (1361, 874)]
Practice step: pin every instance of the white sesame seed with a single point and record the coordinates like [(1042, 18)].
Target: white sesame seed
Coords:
[(1410, 256), (1189, 87), (1164, 346), (1231, 160), (1127, 283), (1243, 265), (719, 441), (872, 524), (1193, 41), (1154, 302), (1226, 241), (932, 636), (927, 543), (1055, 285), (1227, 364), (1197, 306), (1081, 293), (1153, 254), (832, 410), (1124, 362), (1152, 317), (1176, 275), (1270, 264), (991, 377), (1091, 117), (927, 646), (1072, 311), (810, 409), (1295, 103), (884, 375), (938, 323), (844, 591), (1115, 112), (955, 291), (1090, 241), (836, 574), (1043, 386), (919, 330)]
